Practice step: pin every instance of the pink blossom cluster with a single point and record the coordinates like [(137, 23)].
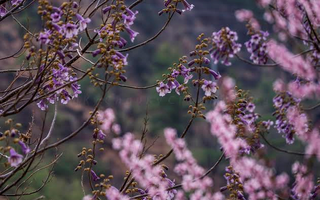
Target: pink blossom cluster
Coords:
[(291, 11), (190, 171), (148, 176), (298, 120), (225, 131), (107, 122), (298, 89), (259, 181), (113, 194), (300, 123), (313, 141), (228, 89), (304, 90), (313, 9), (294, 64), (303, 184)]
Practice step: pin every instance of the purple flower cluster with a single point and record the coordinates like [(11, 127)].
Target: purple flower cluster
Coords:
[(61, 75), (225, 46), (185, 72), (257, 47), (68, 30), (282, 103), (172, 83)]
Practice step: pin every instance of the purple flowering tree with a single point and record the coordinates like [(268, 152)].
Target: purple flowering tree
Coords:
[(49, 75)]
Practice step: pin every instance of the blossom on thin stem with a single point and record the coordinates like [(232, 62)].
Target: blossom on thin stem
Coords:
[(209, 87), (163, 89), (14, 159), (83, 22)]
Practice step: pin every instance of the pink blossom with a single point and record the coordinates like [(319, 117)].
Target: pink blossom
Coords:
[(148, 175), (107, 118), (113, 194), (228, 90), (279, 86), (293, 64), (225, 131), (299, 121), (257, 179), (303, 184), (313, 147), (188, 167)]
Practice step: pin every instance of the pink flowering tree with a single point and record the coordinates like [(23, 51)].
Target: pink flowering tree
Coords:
[(101, 34)]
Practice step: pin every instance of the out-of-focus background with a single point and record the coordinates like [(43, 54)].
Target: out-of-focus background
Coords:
[(146, 65)]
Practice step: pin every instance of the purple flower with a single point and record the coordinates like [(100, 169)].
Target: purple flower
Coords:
[(130, 17), (96, 52), (175, 73), (167, 2), (106, 9), (70, 30), (119, 59), (123, 77), (187, 6), (3, 11), (83, 22), (172, 84), (55, 17), (57, 27), (75, 5), (163, 89), (251, 107), (185, 72), (267, 124), (277, 101), (25, 148), (209, 87), (94, 176), (121, 42), (15, 159), (191, 62), (215, 74), (15, 2), (44, 37), (65, 97), (133, 34), (99, 135), (75, 88), (43, 104)]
